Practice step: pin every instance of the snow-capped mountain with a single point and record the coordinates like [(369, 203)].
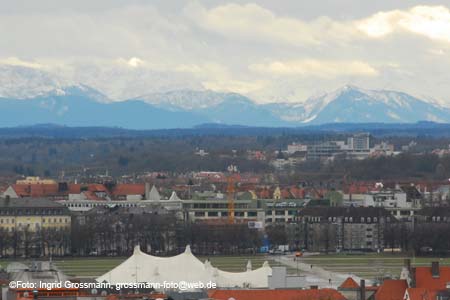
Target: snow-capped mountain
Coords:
[(23, 82), (351, 104), (224, 108), (189, 100), (32, 95)]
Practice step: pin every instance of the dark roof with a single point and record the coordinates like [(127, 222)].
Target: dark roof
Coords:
[(345, 212), (411, 192), (29, 202)]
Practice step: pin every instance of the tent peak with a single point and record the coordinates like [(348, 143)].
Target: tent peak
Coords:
[(137, 249), (188, 250)]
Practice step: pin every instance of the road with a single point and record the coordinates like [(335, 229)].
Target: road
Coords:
[(316, 275)]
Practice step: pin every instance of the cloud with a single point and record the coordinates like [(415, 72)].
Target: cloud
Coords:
[(129, 48), (430, 21), (255, 23), (236, 86), (314, 67), (15, 61)]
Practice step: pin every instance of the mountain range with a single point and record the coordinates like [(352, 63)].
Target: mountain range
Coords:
[(41, 99)]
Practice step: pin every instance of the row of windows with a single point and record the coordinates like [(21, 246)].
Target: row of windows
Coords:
[(346, 219), (218, 205), (224, 214), (30, 211), (100, 204), (49, 220), (282, 212), (440, 219), (278, 220), (6, 221), (55, 220)]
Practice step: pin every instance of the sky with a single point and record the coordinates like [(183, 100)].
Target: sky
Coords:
[(271, 51)]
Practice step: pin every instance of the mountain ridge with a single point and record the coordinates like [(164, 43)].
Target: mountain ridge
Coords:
[(44, 99)]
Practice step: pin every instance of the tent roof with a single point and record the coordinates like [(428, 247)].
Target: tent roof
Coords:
[(141, 267)]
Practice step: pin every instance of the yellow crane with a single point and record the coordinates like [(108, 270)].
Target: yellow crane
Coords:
[(231, 193)]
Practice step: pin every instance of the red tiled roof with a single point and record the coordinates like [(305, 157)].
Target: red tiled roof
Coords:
[(35, 190), (96, 187), (424, 278), (128, 189), (420, 294), (264, 194), (298, 192), (91, 196), (74, 188), (312, 294), (349, 283), (391, 290), (286, 194)]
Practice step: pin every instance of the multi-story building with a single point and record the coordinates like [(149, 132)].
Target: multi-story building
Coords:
[(401, 202), (342, 228), (29, 214), (217, 209), (324, 150), (294, 147), (359, 142)]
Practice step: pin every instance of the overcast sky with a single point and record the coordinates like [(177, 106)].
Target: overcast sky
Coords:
[(270, 50)]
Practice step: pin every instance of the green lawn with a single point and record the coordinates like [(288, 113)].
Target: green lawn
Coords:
[(92, 267), (369, 265)]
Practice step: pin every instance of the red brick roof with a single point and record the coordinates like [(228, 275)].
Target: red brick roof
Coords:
[(312, 294), (349, 283), (424, 278), (391, 290)]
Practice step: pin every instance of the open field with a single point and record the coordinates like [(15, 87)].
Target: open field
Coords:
[(368, 266), (93, 266)]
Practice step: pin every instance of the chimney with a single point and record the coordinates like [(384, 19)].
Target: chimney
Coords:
[(413, 277), (362, 286), (407, 264), (435, 269), (147, 190)]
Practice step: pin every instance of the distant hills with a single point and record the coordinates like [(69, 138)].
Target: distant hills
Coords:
[(55, 102), (377, 129)]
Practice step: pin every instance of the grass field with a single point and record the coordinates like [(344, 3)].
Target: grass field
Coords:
[(369, 265), (93, 267)]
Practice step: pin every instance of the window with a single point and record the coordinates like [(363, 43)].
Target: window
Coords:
[(199, 214)]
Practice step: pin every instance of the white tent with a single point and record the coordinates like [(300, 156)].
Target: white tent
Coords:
[(141, 267)]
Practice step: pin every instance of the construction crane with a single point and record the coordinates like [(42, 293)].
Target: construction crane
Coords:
[(231, 193)]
